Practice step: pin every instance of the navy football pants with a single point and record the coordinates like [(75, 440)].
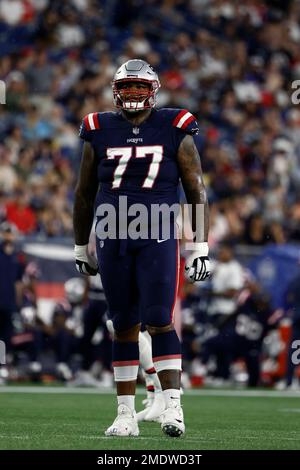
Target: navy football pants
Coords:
[(140, 280)]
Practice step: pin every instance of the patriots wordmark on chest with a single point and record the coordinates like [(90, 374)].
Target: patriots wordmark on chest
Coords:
[(135, 130)]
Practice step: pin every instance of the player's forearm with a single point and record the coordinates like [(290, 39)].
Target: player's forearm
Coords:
[(85, 194), (199, 211), (193, 185), (83, 215)]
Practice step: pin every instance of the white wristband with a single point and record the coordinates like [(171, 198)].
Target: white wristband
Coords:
[(201, 248), (80, 250)]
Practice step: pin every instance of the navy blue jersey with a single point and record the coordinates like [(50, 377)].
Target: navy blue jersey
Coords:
[(139, 276), (247, 327), (139, 161)]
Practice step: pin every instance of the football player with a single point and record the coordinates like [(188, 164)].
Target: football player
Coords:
[(141, 153)]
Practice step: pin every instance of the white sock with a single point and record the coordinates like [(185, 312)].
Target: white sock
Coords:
[(127, 400), (149, 386), (172, 395), (152, 379), (146, 361), (156, 382), (145, 352)]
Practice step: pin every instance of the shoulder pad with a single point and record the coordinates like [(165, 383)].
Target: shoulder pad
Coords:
[(185, 121), (97, 121)]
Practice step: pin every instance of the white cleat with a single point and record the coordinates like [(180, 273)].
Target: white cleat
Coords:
[(84, 379), (125, 423), (63, 371), (141, 414), (156, 409), (172, 422)]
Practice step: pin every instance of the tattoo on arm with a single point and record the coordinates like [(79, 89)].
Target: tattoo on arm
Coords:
[(192, 181), (85, 193)]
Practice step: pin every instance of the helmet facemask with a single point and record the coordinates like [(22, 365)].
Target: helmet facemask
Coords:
[(132, 99)]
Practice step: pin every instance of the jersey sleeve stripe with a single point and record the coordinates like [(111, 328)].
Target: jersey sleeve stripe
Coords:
[(96, 120), (179, 116), (86, 123), (188, 121), (182, 122), (91, 122)]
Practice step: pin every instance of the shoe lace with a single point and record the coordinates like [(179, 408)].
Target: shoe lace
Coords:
[(174, 404), (173, 408)]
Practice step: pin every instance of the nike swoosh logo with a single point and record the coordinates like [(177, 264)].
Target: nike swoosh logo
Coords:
[(178, 420), (160, 241)]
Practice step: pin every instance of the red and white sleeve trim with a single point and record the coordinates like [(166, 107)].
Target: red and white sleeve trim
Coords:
[(183, 119), (91, 122)]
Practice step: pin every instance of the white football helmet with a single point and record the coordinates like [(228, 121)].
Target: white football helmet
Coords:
[(75, 290), (135, 70)]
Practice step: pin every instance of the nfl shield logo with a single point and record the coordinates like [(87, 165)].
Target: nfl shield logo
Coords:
[(135, 130)]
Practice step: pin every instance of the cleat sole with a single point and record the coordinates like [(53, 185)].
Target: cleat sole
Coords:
[(171, 430)]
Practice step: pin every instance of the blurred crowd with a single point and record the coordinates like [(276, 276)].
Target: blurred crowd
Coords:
[(231, 63)]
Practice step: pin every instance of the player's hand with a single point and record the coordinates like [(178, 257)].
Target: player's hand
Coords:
[(197, 264), (85, 263)]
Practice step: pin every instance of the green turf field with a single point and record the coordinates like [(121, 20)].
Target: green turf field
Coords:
[(77, 421)]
